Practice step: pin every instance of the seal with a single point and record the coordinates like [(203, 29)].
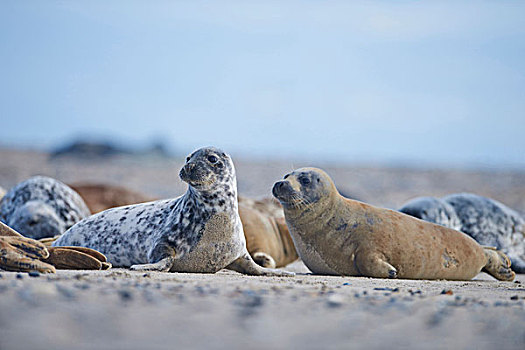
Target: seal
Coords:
[(199, 231), (267, 237), (99, 197), (338, 236), (42, 207), (486, 220)]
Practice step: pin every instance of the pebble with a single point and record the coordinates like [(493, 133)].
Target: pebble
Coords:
[(33, 274), (125, 294), (65, 291), (415, 292), (388, 289), (335, 300), (19, 276), (82, 286), (447, 292), (514, 297)]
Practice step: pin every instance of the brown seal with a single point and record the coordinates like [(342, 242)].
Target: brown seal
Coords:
[(339, 236), (267, 237), (99, 197)]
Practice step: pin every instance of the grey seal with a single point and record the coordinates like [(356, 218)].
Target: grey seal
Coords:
[(199, 231), (42, 207), (488, 221)]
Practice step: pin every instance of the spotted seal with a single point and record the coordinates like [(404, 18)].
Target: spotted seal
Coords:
[(42, 207), (199, 231), (338, 236), (486, 220)]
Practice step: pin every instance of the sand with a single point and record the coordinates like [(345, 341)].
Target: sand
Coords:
[(122, 309)]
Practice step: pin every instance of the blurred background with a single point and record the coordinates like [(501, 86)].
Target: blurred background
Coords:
[(439, 83), (361, 84)]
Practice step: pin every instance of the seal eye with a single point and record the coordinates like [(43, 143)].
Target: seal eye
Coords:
[(304, 181), (212, 159), (187, 159)]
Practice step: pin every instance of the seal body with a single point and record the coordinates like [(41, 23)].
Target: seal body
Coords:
[(267, 237), (339, 236), (42, 207), (488, 221), (99, 197), (199, 231)]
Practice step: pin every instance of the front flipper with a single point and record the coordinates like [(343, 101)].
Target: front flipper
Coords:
[(164, 265), (373, 265), (246, 265), (164, 255)]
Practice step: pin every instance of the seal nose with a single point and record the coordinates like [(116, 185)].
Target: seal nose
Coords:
[(186, 170), (280, 187)]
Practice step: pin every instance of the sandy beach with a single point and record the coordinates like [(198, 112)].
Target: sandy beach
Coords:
[(122, 309)]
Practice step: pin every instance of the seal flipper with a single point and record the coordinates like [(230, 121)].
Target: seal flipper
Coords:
[(163, 255), (164, 265), (498, 265), (264, 260), (518, 264), (246, 265), (372, 265)]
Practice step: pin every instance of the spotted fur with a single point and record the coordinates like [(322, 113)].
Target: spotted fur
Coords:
[(489, 222), (198, 232), (42, 207)]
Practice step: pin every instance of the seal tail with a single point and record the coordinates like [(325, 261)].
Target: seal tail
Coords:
[(498, 265)]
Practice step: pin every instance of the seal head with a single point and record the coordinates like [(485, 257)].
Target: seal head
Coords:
[(38, 219), (304, 188), (208, 169), (42, 207)]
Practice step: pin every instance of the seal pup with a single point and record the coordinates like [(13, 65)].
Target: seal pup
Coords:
[(488, 221), (338, 236), (199, 231), (41, 207)]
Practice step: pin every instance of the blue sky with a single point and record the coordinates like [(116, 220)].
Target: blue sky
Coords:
[(418, 82)]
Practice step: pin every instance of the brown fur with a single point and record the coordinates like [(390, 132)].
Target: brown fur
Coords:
[(99, 197), (267, 237), (336, 235)]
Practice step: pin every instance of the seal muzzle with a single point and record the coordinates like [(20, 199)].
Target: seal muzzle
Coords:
[(283, 191)]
